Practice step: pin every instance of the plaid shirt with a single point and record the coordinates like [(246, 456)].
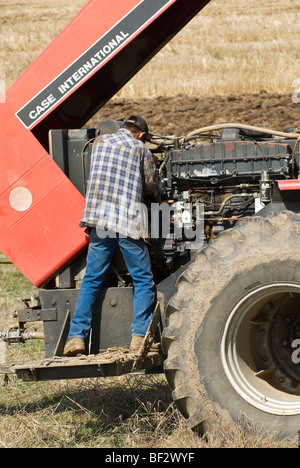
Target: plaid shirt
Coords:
[(122, 169)]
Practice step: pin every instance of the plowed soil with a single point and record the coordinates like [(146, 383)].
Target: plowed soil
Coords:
[(183, 114)]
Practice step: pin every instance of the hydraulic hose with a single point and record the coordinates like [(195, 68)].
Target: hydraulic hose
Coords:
[(242, 127)]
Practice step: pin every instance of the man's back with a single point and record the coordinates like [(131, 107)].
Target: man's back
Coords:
[(121, 168)]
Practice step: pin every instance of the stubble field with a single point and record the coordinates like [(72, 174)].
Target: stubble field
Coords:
[(237, 61)]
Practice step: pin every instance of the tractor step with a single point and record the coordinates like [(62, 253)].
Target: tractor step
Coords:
[(111, 363)]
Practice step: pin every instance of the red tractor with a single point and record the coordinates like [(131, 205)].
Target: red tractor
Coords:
[(228, 294)]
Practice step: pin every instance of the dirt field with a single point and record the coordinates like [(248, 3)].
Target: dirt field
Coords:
[(182, 114)]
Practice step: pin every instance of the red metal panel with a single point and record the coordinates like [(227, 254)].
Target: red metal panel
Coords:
[(39, 230), (19, 149), (285, 185), (93, 22), (48, 237), (94, 57), (96, 54), (26, 191), (92, 40)]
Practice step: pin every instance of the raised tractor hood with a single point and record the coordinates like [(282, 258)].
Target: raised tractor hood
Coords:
[(102, 48)]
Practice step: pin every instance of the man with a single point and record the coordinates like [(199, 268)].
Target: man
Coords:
[(122, 170)]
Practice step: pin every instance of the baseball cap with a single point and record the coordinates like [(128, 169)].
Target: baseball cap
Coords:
[(139, 122), (107, 127)]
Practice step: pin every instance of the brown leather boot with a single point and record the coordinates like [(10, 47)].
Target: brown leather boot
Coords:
[(136, 343), (74, 346)]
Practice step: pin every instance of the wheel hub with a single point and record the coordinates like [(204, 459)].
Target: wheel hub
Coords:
[(257, 348)]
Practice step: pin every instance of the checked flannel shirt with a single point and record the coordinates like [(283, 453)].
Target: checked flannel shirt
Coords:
[(122, 170)]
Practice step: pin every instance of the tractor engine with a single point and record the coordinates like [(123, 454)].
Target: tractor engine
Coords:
[(208, 183), (212, 182)]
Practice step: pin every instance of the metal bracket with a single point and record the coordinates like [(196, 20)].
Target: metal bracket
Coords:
[(148, 340), (37, 315), (63, 335)]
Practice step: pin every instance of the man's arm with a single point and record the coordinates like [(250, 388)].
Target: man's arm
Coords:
[(150, 173)]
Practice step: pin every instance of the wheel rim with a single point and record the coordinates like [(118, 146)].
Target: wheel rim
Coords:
[(258, 348)]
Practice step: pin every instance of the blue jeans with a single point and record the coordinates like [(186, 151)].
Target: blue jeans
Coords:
[(100, 253)]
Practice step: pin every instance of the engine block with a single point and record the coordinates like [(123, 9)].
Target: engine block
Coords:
[(223, 160)]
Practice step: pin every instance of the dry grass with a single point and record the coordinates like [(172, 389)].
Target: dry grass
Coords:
[(27, 28), (126, 412), (123, 412), (232, 47)]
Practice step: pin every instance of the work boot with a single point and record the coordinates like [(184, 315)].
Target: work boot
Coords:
[(136, 343), (74, 346)]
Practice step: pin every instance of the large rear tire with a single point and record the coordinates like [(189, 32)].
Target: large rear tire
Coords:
[(233, 326)]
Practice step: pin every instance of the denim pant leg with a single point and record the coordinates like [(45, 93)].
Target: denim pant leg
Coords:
[(99, 257), (136, 255)]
